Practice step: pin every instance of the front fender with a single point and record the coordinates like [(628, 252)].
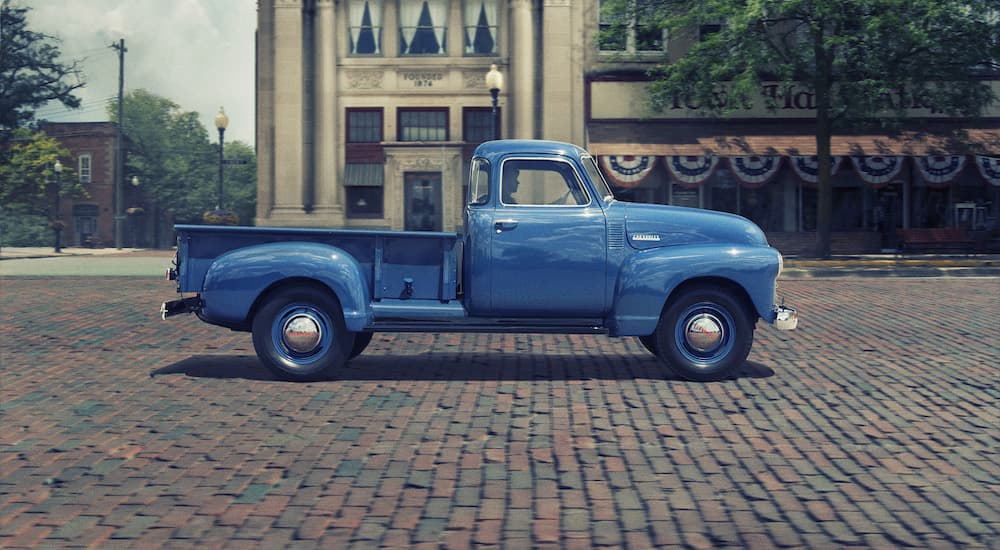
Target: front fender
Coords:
[(236, 279), (648, 277)]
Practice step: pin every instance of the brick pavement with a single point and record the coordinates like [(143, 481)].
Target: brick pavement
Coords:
[(857, 430)]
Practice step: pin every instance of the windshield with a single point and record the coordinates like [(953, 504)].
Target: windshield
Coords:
[(600, 184)]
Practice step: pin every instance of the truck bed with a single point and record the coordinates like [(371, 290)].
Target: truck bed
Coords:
[(392, 261)]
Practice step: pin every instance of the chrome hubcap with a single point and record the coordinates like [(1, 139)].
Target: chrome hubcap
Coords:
[(302, 333), (704, 332)]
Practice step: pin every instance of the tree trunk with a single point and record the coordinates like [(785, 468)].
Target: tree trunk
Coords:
[(824, 199)]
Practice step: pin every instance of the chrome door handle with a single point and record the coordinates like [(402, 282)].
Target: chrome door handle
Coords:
[(502, 225)]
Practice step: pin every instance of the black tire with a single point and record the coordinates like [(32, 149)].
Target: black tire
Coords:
[(705, 334), (361, 341), (649, 342), (299, 334)]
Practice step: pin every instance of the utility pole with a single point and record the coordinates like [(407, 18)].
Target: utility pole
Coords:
[(119, 157)]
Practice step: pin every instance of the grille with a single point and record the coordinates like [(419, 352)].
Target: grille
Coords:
[(616, 235)]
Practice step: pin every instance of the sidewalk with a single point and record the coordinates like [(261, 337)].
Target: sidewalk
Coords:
[(895, 265), (869, 265), (28, 252)]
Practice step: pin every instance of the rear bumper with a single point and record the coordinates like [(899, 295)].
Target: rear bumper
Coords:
[(178, 307)]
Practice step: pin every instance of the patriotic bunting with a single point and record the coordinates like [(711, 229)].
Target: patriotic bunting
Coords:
[(989, 169), (877, 171), (940, 170), (627, 170), (806, 167), (755, 171), (691, 170)]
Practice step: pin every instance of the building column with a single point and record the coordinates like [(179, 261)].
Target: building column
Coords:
[(265, 110), (562, 86), (288, 101), (521, 117), (329, 204)]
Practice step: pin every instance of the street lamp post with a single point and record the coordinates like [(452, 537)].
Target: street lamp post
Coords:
[(134, 211), (57, 218), (221, 121), (494, 81)]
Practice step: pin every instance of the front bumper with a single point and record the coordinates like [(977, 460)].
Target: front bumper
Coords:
[(786, 318)]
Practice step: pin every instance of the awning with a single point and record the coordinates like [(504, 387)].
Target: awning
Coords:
[(787, 138), (358, 174)]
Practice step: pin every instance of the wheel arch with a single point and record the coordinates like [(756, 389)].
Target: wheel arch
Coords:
[(649, 280), (721, 283), (238, 283)]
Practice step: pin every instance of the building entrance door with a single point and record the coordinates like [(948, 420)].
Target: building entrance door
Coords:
[(422, 201)]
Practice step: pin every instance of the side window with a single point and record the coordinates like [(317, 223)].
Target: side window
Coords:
[(541, 183), (479, 182)]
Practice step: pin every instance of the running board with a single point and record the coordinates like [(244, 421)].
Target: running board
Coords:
[(526, 326)]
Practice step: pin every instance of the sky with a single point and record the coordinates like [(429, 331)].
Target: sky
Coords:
[(197, 53)]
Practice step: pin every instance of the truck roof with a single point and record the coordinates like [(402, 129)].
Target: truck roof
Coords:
[(492, 149)]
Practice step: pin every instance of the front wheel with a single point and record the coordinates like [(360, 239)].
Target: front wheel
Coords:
[(299, 334), (705, 334)]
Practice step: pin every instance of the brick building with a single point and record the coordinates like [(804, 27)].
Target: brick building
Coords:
[(90, 220)]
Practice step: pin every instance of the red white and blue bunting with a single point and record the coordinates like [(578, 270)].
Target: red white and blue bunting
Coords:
[(627, 170), (877, 171), (806, 167), (940, 170), (691, 170), (755, 171), (989, 169)]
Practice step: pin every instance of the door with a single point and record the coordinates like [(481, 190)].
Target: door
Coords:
[(422, 200), (549, 243)]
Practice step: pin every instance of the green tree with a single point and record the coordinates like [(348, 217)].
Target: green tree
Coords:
[(169, 150), (866, 61), (30, 72), (29, 185)]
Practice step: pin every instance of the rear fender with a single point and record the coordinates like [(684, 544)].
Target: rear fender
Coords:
[(648, 277), (236, 279)]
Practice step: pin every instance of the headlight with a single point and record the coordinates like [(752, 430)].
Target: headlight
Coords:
[(781, 264)]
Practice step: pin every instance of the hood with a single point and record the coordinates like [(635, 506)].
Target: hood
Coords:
[(655, 225)]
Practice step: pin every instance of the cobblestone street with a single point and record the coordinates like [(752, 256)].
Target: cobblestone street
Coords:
[(873, 425)]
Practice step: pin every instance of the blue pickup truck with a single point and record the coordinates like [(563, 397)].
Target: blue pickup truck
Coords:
[(547, 249)]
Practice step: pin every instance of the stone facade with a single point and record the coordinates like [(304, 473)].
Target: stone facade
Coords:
[(311, 76)]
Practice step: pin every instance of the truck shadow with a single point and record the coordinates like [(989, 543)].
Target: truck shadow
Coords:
[(452, 366)]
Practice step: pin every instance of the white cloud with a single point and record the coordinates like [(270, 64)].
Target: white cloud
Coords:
[(197, 53)]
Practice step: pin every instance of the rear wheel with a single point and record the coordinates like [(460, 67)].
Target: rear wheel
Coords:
[(705, 334), (299, 333)]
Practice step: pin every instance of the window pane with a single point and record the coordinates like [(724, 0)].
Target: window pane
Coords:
[(613, 31), (648, 38), (423, 125), (541, 183), (480, 27), (363, 202), (423, 27), (83, 169), (478, 125), (364, 126), (365, 26), (479, 176)]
